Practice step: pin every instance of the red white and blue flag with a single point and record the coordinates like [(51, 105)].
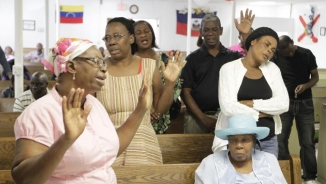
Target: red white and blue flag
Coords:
[(182, 20)]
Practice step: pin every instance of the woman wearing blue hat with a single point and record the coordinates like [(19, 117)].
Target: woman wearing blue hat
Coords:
[(254, 86), (241, 163)]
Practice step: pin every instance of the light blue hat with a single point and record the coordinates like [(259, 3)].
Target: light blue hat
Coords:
[(242, 124)]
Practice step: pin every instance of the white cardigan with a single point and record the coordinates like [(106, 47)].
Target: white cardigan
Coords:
[(231, 76)]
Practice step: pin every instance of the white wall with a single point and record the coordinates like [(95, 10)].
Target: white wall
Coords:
[(277, 11), (7, 31), (96, 14), (165, 12), (32, 10)]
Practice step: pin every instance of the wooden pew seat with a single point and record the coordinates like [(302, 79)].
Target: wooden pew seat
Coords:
[(175, 173)]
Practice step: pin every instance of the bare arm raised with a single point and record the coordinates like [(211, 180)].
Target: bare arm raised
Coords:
[(163, 97)]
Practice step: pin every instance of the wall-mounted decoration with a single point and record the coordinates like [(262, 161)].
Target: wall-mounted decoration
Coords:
[(196, 15), (322, 31), (29, 25), (133, 9), (71, 14), (308, 25)]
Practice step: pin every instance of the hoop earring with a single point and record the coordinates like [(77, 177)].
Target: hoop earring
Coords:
[(73, 76)]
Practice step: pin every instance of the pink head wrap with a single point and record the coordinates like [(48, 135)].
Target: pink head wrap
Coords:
[(66, 49)]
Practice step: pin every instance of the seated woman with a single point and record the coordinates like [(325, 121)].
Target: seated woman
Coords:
[(254, 86), (67, 135), (121, 86), (9, 53), (241, 163)]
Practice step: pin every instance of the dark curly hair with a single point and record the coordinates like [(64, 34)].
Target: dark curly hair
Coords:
[(129, 24)]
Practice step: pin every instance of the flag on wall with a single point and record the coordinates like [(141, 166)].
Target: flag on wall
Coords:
[(196, 16), (308, 26), (71, 14)]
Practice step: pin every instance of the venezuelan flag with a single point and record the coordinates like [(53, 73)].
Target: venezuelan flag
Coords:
[(71, 14)]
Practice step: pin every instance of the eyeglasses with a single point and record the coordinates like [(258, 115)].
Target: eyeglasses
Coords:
[(116, 37), (98, 61)]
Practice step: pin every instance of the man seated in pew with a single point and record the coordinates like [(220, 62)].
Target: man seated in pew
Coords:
[(241, 163), (38, 89), (9, 92), (67, 136), (35, 56)]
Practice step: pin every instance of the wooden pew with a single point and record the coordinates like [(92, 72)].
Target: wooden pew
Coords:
[(150, 174), (176, 148), (6, 104), (34, 67), (176, 173), (185, 148), (7, 150), (7, 121)]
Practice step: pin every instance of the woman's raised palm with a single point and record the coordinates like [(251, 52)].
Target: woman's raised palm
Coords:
[(173, 68)]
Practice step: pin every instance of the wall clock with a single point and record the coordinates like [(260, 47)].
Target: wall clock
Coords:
[(133, 9)]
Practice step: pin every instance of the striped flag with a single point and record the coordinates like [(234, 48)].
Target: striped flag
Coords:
[(71, 14), (182, 21)]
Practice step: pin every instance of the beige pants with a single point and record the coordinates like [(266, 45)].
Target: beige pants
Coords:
[(193, 126)]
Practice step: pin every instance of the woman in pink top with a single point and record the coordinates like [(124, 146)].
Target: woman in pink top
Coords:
[(67, 135)]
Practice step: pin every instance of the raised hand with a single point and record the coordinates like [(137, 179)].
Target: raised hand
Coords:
[(173, 68), (144, 99), (245, 22), (74, 117)]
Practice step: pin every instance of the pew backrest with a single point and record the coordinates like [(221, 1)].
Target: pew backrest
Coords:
[(185, 148), (7, 150), (175, 173), (150, 174), (7, 121), (7, 104)]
